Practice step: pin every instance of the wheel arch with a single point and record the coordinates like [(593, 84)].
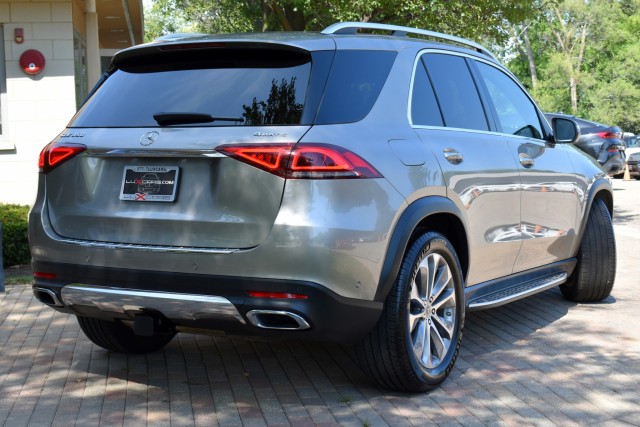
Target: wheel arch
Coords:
[(600, 190), (433, 213)]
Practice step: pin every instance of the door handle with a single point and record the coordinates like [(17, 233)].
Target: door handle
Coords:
[(525, 160), (452, 156)]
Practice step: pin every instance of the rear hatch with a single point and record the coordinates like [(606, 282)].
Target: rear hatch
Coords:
[(153, 172)]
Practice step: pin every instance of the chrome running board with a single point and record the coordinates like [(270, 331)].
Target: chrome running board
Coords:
[(521, 290)]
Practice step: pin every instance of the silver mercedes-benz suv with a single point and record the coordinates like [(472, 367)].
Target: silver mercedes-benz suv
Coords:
[(366, 184)]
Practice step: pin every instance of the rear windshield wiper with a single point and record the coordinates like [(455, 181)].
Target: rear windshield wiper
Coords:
[(168, 119)]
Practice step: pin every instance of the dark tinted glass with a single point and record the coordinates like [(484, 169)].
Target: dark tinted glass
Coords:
[(424, 107), (564, 129), (516, 113), (355, 81), (456, 92), (257, 87)]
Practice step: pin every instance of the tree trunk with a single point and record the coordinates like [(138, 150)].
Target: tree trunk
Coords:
[(282, 17), (530, 58), (265, 15), (573, 87)]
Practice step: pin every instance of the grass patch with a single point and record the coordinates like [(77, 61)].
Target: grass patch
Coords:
[(19, 279)]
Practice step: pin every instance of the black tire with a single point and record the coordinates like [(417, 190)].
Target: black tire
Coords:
[(387, 354), (117, 337), (592, 280)]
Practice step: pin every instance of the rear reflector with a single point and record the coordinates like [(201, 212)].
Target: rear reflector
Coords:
[(43, 275), (54, 155), (276, 295), (308, 161)]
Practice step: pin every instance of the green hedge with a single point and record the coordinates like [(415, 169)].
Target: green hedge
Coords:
[(15, 241)]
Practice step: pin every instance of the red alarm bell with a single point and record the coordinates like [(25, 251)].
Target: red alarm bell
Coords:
[(32, 61)]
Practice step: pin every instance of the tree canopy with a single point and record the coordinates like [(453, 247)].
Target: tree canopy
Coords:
[(480, 19), (575, 56), (584, 59)]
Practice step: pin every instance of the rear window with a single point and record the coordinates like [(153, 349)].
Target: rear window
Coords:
[(233, 86)]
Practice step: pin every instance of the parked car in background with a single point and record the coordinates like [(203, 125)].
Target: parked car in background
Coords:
[(603, 143), (363, 188), (633, 153)]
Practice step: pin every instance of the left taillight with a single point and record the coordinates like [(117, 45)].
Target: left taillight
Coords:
[(615, 148), (609, 135), (307, 161), (53, 155)]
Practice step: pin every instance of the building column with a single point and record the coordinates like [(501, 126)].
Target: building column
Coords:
[(93, 45)]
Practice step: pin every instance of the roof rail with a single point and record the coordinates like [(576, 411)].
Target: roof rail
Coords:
[(400, 31)]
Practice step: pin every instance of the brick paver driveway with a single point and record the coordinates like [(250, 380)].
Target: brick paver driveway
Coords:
[(539, 361)]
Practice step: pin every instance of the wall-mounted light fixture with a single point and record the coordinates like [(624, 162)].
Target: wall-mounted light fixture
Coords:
[(18, 35)]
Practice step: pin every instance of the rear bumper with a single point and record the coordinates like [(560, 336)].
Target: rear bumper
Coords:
[(205, 303), (614, 165)]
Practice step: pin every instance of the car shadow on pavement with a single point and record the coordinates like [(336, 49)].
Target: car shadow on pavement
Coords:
[(623, 216), (533, 361), (241, 365), (526, 359)]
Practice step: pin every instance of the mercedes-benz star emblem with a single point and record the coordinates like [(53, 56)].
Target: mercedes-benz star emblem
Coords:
[(149, 138)]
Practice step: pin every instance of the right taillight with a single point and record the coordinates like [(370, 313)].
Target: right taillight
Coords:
[(305, 161), (53, 155)]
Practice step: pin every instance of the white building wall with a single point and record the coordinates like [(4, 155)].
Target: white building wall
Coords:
[(38, 107)]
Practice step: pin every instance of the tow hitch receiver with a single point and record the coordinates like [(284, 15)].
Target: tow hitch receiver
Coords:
[(144, 325)]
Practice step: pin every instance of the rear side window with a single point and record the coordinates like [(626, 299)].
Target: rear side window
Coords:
[(233, 86), (455, 91), (424, 106), (355, 81), (515, 111)]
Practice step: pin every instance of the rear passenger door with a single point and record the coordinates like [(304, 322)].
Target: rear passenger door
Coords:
[(479, 165), (550, 194)]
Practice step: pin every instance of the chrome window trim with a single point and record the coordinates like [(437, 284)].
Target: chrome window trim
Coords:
[(499, 67)]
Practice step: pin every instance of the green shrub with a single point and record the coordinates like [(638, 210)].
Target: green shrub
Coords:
[(15, 241)]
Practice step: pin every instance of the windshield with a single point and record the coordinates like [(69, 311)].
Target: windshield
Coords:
[(633, 142)]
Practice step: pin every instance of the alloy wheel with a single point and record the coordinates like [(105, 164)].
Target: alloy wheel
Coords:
[(432, 311)]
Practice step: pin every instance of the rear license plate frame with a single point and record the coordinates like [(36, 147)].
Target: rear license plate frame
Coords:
[(149, 183)]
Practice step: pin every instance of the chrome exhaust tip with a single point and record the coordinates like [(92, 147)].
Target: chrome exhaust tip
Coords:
[(274, 319), (47, 296)]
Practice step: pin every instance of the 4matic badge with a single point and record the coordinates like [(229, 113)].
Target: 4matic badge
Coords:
[(269, 134)]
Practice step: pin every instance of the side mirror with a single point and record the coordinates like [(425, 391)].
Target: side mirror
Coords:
[(565, 131)]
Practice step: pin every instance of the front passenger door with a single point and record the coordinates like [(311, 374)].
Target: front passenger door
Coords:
[(550, 195)]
